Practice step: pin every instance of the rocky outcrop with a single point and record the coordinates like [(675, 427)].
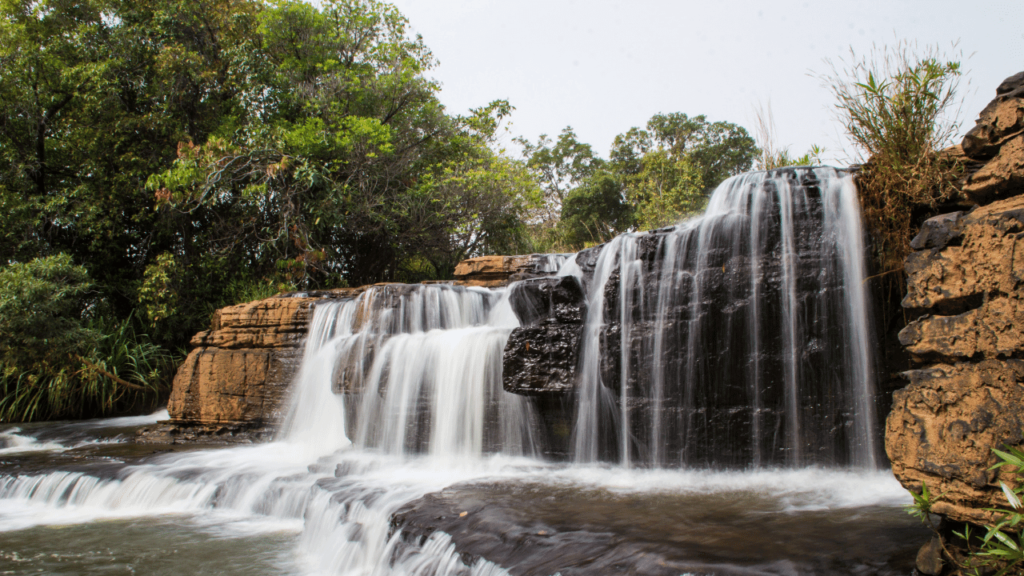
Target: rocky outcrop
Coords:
[(998, 140), (235, 378), (541, 355), (965, 284), (233, 383)]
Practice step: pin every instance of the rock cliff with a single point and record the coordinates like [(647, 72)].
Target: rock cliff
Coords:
[(235, 378), (965, 285)]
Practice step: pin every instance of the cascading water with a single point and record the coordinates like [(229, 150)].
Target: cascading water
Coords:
[(734, 339), (711, 333), (421, 369)]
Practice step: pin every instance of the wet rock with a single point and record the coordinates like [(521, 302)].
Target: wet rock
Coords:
[(929, 558), (541, 359), (558, 299), (577, 530)]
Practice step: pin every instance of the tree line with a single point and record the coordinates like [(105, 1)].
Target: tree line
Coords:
[(160, 159)]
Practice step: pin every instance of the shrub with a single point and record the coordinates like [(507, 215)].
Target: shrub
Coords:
[(55, 362), (894, 105)]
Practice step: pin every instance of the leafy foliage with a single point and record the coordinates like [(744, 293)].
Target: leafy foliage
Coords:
[(55, 362)]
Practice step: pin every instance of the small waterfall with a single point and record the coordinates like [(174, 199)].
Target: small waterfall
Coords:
[(737, 338), (415, 369)]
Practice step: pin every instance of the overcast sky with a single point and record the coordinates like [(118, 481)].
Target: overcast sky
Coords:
[(603, 66)]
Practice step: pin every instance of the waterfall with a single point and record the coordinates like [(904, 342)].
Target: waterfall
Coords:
[(415, 368), (737, 338)]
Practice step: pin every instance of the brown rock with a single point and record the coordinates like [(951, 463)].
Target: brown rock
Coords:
[(490, 271), (966, 281), (1001, 121), (943, 427), (1001, 176), (241, 367)]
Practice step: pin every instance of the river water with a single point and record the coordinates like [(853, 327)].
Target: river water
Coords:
[(81, 498)]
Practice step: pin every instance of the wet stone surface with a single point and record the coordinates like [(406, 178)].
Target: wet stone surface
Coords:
[(540, 529)]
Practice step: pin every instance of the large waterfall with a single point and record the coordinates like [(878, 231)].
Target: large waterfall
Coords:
[(722, 392), (737, 338)]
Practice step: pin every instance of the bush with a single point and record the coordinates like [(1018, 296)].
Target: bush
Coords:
[(57, 363), (893, 105)]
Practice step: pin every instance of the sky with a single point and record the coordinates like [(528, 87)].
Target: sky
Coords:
[(604, 66)]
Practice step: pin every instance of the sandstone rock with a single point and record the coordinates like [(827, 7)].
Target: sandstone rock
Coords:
[(966, 281), (490, 271), (943, 427), (979, 259), (495, 271), (1001, 176), (240, 369), (1000, 121)]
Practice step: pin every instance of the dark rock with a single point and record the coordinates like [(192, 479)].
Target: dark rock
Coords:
[(558, 299), (542, 359), (937, 232), (929, 558)]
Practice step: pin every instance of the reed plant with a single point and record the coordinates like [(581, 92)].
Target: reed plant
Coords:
[(122, 371), (899, 106)]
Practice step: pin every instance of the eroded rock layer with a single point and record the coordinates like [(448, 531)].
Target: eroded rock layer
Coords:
[(965, 284)]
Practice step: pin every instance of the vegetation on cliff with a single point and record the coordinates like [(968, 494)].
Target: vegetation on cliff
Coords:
[(894, 104)]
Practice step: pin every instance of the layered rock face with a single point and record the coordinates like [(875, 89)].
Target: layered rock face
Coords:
[(237, 374), (965, 284), (496, 271)]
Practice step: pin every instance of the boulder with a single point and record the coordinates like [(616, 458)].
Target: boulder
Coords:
[(997, 140), (541, 356)]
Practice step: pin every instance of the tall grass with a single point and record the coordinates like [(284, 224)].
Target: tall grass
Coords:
[(899, 106), (122, 371)]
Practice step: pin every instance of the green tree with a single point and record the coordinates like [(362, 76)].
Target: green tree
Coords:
[(560, 166), (716, 150), (595, 211)]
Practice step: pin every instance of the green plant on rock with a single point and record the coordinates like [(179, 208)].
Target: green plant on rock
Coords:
[(1000, 549), (895, 105)]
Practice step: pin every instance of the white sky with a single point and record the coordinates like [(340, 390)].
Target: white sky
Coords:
[(604, 66)]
